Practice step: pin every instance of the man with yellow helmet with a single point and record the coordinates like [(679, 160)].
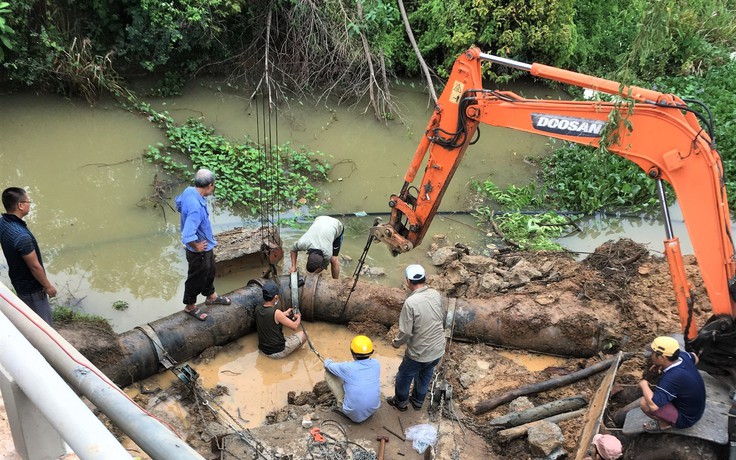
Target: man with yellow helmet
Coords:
[(356, 384), (678, 399)]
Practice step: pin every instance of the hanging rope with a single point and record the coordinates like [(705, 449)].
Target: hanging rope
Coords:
[(269, 167)]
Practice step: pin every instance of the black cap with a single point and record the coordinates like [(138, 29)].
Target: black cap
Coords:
[(270, 290)]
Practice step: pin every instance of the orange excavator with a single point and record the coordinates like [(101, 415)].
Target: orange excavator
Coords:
[(663, 134)]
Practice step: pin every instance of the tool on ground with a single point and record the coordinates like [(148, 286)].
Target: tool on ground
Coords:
[(316, 434), (383, 440), (394, 433), (361, 262)]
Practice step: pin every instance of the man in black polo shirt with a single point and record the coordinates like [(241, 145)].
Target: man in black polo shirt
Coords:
[(23, 255)]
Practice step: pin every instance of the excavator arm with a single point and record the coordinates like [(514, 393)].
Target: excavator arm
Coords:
[(661, 134)]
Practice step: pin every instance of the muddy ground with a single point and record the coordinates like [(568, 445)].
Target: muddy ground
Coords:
[(620, 282)]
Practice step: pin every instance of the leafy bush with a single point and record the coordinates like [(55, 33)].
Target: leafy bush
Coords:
[(6, 32), (529, 231), (537, 30), (244, 178), (579, 178)]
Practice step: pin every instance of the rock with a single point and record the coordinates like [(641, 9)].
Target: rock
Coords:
[(440, 239), (321, 388), (547, 267), (456, 273), (544, 438), (302, 399), (473, 370), (491, 283), (216, 430), (478, 264), (443, 256), (519, 404), (522, 273), (545, 299), (240, 247), (372, 271)]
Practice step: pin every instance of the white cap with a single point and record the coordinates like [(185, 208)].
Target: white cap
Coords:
[(415, 272)]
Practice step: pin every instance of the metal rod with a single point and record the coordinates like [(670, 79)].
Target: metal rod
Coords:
[(506, 62), (665, 210), (393, 433)]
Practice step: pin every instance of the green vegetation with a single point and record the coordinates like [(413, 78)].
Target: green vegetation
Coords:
[(120, 305), (533, 231), (65, 315), (6, 32), (244, 177)]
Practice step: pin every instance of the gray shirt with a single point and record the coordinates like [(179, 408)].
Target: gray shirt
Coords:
[(320, 235), (421, 325)]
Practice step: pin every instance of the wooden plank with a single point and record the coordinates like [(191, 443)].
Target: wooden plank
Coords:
[(597, 407)]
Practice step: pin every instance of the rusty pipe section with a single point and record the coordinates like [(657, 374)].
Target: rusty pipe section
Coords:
[(511, 321)]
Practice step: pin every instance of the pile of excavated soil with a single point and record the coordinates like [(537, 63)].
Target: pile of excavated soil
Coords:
[(621, 283)]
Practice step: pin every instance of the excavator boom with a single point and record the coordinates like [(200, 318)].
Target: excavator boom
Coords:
[(659, 132)]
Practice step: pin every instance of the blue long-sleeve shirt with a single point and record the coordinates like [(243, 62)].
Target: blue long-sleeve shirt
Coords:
[(362, 385), (195, 219)]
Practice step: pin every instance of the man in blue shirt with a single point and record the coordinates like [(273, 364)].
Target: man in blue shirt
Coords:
[(23, 255), (356, 385), (197, 238), (678, 399)]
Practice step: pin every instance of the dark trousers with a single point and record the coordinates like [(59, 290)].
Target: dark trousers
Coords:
[(39, 302), (420, 373), (200, 277)]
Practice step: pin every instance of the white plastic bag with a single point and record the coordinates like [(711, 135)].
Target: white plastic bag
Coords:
[(422, 435)]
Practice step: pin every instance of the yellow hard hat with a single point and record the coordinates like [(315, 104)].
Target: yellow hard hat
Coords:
[(666, 346), (361, 345)]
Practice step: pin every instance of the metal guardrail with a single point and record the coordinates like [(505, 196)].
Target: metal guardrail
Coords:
[(44, 365)]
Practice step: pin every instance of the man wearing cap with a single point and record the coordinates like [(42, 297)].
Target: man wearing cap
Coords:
[(606, 447), (356, 384), (322, 242), (678, 399), (269, 322), (421, 329)]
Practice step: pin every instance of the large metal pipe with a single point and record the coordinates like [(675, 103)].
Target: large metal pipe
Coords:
[(154, 438), (54, 399), (513, 321)]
